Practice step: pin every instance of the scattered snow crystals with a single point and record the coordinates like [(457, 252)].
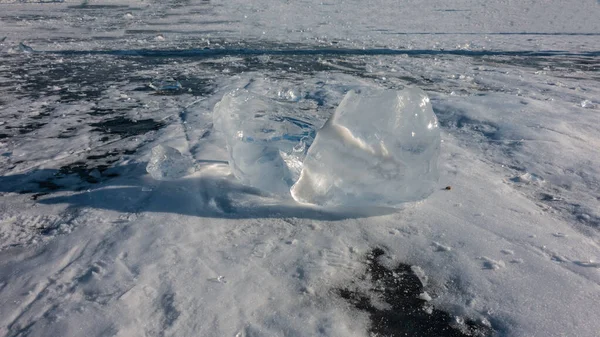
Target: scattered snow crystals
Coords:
[(379, 148), (167, 163)]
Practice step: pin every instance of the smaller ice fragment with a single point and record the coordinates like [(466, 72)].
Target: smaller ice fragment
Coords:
[(587, 104), (266, 139), (289, 94), (425, 296), (165, 86), (167, 163), (23, 48), (20, 49)]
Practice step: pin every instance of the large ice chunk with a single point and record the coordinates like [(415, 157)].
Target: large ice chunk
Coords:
[(266, 139), (378, 148)]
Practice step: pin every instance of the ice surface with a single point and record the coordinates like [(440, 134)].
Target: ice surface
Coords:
[(379, 148), (79, 257), (266, 140), (168, 163)]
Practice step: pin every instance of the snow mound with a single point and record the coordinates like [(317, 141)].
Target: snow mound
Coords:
[(379, 148), (167, 163), (266, 139)]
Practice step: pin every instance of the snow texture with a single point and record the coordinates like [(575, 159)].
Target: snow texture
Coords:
[(379, 148)]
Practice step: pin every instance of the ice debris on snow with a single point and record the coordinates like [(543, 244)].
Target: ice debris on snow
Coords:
[(587, 104), (425, 297), (379, 148), (167, 163), (266, 139), (420, 274), (164, 86), (492, 264), (219, 279), (22, 48), (528, 178), (507, 252), (440, 247), (590, 264), (289, 94)]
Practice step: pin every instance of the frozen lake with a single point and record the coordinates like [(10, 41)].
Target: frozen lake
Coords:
[(91, 244)]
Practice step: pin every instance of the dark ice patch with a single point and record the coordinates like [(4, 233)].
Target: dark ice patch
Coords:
[(169, 310), (406, 314), (27, 128), (90, 174), (126, 127)]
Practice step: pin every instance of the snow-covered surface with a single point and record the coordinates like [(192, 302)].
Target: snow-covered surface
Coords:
[(91, 244)]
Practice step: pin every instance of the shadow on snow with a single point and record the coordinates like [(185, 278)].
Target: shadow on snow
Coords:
[(129, 188)]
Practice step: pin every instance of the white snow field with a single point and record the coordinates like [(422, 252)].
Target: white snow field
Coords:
[(91, 244)]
